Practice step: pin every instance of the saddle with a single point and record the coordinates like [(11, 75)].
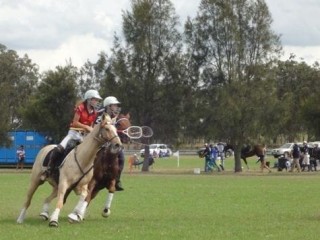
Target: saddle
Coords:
[(54, 159)]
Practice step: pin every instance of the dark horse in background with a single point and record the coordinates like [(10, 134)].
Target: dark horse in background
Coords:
[(248, 151), (105, 171)]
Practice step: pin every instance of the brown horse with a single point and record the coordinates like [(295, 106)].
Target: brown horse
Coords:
[(246, 152), (105, 172), (74, 171)]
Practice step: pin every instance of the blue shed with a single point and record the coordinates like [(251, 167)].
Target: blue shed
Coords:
[(31, 140)]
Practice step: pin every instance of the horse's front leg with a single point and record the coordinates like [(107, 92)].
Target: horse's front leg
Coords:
[(112, 188), (83, 192), (78, 212), (54, 218), (45, 209)]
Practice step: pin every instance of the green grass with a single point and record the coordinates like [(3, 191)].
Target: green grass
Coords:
[(173, 203)]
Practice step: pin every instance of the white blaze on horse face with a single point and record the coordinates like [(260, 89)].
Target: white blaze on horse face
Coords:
[(112, 134)]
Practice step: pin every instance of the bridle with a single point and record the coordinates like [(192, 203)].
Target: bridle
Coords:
[(101, 139)]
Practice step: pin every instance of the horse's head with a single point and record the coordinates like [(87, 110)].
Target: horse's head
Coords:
[(122, 123), (109, 135)]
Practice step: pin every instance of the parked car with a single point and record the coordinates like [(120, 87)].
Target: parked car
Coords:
[(158, 150), (285, 148), (312, 144)]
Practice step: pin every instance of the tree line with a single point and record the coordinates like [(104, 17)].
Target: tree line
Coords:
[(220, 79)]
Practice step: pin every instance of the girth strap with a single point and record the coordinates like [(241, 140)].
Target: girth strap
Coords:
[(76, 159)]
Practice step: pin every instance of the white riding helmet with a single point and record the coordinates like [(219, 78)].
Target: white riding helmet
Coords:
[(110, 100), (92, 94)]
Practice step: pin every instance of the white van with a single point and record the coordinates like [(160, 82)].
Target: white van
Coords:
[(158, 150)]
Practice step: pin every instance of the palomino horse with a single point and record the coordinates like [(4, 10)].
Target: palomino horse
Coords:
[(74, 171), (105, 171)]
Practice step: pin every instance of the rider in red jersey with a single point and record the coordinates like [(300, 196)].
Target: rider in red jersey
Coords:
[(82, 123)]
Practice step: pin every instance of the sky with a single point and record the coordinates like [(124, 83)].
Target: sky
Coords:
[(53, 32)]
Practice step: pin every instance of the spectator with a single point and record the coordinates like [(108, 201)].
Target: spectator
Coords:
[(155, 154), (305, 157), (21, 154), (296, 156), (288, 161), (263, 164), (214, 156), (220, 147), (218, 162), (207, 157), (314, 157), (284, 162)]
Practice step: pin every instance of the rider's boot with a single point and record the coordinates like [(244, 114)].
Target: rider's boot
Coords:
[(56, 154), (121, 164), (118, 184)]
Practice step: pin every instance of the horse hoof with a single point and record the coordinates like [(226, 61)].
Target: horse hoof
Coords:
[(106, 212), (53, 223), (44, 216), (19, 221), (74, 218)]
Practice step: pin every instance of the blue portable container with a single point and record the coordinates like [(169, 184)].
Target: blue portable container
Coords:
[(31, 140)]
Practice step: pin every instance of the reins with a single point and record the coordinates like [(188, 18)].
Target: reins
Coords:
[(100, 139), (78, 164)]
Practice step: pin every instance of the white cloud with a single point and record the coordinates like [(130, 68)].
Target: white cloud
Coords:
[(53, 31), (78, 49), (297, 21), (309, 54)]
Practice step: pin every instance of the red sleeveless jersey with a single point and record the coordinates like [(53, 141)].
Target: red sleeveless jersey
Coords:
[(85, 117)]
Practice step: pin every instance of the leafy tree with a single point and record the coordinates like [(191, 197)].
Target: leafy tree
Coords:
[(18, 80), (51, 108), (232, 45), (92, 75), (148, 68), (297, 90)]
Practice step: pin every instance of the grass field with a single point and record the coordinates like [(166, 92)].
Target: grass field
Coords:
[(171, 202)]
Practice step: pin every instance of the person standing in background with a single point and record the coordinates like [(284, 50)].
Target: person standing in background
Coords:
[(220, 147), (262, 159), (21, 154), (296, 157), (207, 157)]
